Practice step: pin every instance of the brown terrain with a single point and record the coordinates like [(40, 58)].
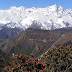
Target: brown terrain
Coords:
[(34, 41)]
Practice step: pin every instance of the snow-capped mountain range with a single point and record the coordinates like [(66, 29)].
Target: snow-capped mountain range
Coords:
[(48, 18)]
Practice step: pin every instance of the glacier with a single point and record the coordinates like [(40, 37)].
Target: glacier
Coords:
[(49, 18)]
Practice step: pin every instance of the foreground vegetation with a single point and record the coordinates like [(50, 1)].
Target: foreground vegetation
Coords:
[(54, 60)]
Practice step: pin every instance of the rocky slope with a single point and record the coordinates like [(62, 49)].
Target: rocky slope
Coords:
[(6, 33), (4, 60), (35, 41), (64, 40)]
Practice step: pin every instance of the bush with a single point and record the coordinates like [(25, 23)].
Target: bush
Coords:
[(26, 63), (55, 60), (59, 59)]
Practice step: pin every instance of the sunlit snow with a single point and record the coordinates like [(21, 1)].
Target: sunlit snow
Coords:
[(44, 18)]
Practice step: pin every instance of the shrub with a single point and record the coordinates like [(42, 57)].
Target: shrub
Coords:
[(25, 63), (55, 60), (59, 59)]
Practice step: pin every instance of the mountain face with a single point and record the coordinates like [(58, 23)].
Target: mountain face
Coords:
[(64, 40), (48, 18), (34, 41), (8, 30), (6, 33)]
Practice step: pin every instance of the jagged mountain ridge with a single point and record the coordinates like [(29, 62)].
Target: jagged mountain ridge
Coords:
[(48, 18)]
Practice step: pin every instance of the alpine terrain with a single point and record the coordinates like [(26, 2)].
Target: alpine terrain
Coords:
[(48, 18), (34, 31)]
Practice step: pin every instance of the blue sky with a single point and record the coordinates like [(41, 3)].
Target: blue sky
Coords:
[(6, 4)]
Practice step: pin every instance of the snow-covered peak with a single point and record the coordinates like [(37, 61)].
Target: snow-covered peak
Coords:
[(53, 7), (14, 7), (17, 8), (4, 22), (60, 7), (45, 18)]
